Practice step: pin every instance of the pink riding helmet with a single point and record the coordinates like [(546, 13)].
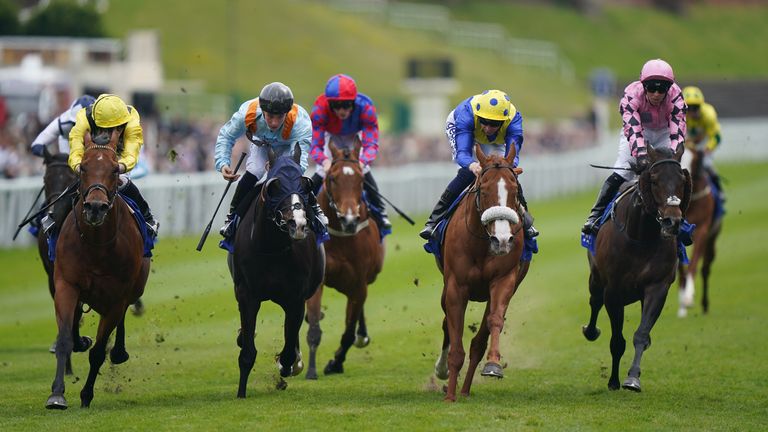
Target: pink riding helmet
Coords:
[(657, 69)]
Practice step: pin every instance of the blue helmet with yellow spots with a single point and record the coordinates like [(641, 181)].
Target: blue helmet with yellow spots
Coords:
[(493, 105)]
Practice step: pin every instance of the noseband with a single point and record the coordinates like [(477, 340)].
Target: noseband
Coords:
[(279, 219), (496, 212), (328, 194), (671, 201)]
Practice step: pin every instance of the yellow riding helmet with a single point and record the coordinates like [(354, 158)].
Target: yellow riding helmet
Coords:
[(493, 105), (693, 95), (110, 111)]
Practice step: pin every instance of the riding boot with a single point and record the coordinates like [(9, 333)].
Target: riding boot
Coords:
[(441, 208), (607, 192), (317, 210), (317, 183), (130, 190), (530, 230), (245, 185), (372, 190)]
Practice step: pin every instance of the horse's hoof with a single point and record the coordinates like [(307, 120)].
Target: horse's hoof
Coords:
[(591, 335), (441, 373), (682, 312), (492, 369), (137, 309), (298, 367), (613, 385), (84, 345), (284, 372), (632, 383), (118, 357), (362, 341), (281, 384), (311, 374), (333, 367), (56, 402)]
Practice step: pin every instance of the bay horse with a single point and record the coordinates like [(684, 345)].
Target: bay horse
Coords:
[(99, 262), (276, 257), (701, 212), (482, 250), (354, 255), (636, 256)]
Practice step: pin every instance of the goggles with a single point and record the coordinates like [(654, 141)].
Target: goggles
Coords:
[(341, 104), (657, 86), (491, 123)]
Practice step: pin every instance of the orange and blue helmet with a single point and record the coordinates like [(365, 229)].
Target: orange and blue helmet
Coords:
[(340, 87)]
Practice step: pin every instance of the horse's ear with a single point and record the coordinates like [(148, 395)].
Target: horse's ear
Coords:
[(512, 153), (652, 153), (297, 153), (644, 185), (114, 137), (481, 157), (47, 156), (357, 145), (271, 156), (686, 192), (270, 188), (679, 151), (335, 152)]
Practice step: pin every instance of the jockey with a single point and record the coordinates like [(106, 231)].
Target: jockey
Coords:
[(703, 129), (272, 118), (342, 113), (109, 112), (653, 112), (490, 120)]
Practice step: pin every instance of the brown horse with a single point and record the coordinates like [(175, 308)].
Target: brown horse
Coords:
[(702, 213), (57, 177), (354, 255), (100, 263), (482, 249), (636, 256), (276, 258)]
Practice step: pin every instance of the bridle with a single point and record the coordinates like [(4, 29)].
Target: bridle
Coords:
[(332, 203), (101, 187), (496, 212), (671, 201)]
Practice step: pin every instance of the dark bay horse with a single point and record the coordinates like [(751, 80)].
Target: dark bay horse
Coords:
[(99, 262), (636, 256), (482, 250), (354, 255), (276, 258), (701, 212)]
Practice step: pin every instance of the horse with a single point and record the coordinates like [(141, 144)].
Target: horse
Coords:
[(276, 257), (482, 250), (636, 256), (354, 255), (701, 212), (100, 263)]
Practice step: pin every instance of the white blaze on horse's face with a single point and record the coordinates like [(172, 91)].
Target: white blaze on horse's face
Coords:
[(348, 171), (502, 229), (673, 201), (299, 216)]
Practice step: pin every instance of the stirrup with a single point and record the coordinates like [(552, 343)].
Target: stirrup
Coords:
[(590, 227), (531, 232), (227, 229), (320, 215), (47, 223), (153, 227), (385, 222), (426, 233)]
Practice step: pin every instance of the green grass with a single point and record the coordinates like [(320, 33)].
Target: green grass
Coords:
[(702, 373)]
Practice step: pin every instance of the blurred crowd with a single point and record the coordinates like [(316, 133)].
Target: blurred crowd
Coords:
[(181, 145)]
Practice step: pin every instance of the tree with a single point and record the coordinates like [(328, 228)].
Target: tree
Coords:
[(9, 18), (65, 18)]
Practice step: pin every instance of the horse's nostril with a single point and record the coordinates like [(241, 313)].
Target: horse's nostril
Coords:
[(103, 207)]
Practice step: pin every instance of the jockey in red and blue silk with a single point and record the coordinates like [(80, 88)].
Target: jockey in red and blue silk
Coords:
[(342, 113)]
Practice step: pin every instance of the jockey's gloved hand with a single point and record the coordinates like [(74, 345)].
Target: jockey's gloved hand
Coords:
[(641, 163)]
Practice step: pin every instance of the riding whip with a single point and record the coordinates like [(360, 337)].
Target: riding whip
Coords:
[(34, 203), (400, 212), (226, 189), (42, 210)]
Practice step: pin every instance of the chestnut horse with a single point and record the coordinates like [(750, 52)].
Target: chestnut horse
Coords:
[(99, 262), (482, 250), (276, 258), (636, 256), (354, 255), (701, 212)]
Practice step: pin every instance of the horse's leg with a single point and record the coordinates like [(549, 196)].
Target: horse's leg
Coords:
[(476, 351), (65, 302), (652, 305), (361, 337), (118, 354), (590, 331), (441, 365), (699, 245), (355, 301), (314, 333), (455, 306), (249, 309), (289, 360), (709, 257), (501, 293), (80, 343), (98, 353), (615, 312)]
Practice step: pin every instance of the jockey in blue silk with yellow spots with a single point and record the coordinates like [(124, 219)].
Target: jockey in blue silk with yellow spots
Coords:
[(490, 120)]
